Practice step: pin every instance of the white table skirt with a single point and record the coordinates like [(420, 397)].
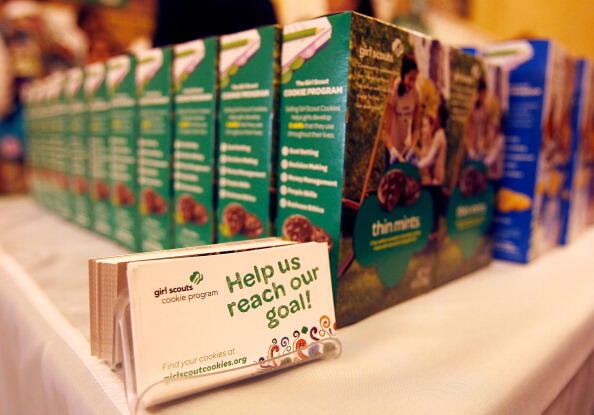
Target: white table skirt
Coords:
[(509, 339)]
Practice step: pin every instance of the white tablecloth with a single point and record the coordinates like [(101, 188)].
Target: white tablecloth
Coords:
[(509, 339)]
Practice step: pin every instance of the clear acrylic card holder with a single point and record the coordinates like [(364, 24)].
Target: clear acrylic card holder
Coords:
[(168, 390)]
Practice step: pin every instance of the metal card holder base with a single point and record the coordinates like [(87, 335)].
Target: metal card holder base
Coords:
[(168, 390)]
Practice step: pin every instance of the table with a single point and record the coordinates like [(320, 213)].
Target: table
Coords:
[(508, 339)]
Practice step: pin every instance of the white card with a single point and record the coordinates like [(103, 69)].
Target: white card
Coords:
[(197, 315)]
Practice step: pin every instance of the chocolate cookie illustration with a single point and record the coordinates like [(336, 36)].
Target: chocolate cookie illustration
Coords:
[(123, 195), (63, 181), (234, 217), (153, 203), (412, 191), (252, 226), (473, 182), (390, 189), (80, 186), (148, 199), (199, 214), (297, 228), (468, 181), (160, 207), (320, 235), (185, 207), (101, 190), (481, 183)]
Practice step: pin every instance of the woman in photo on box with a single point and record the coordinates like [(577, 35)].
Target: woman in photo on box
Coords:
[(478, 124), (431, 159), (432, 154), (402, 114)]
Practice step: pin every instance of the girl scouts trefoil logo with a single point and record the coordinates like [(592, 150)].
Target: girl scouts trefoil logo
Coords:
[(196, 277)]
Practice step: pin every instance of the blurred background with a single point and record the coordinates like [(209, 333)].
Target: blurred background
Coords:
[(39, 37)]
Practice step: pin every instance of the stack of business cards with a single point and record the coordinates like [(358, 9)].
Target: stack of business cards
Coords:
[(232, 310)]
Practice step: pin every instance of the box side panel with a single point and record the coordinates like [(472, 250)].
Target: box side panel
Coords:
[(248, 73), (123, 150), (153, 83), (195, 141), (96, 90), (314, 86), (78, 130)]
